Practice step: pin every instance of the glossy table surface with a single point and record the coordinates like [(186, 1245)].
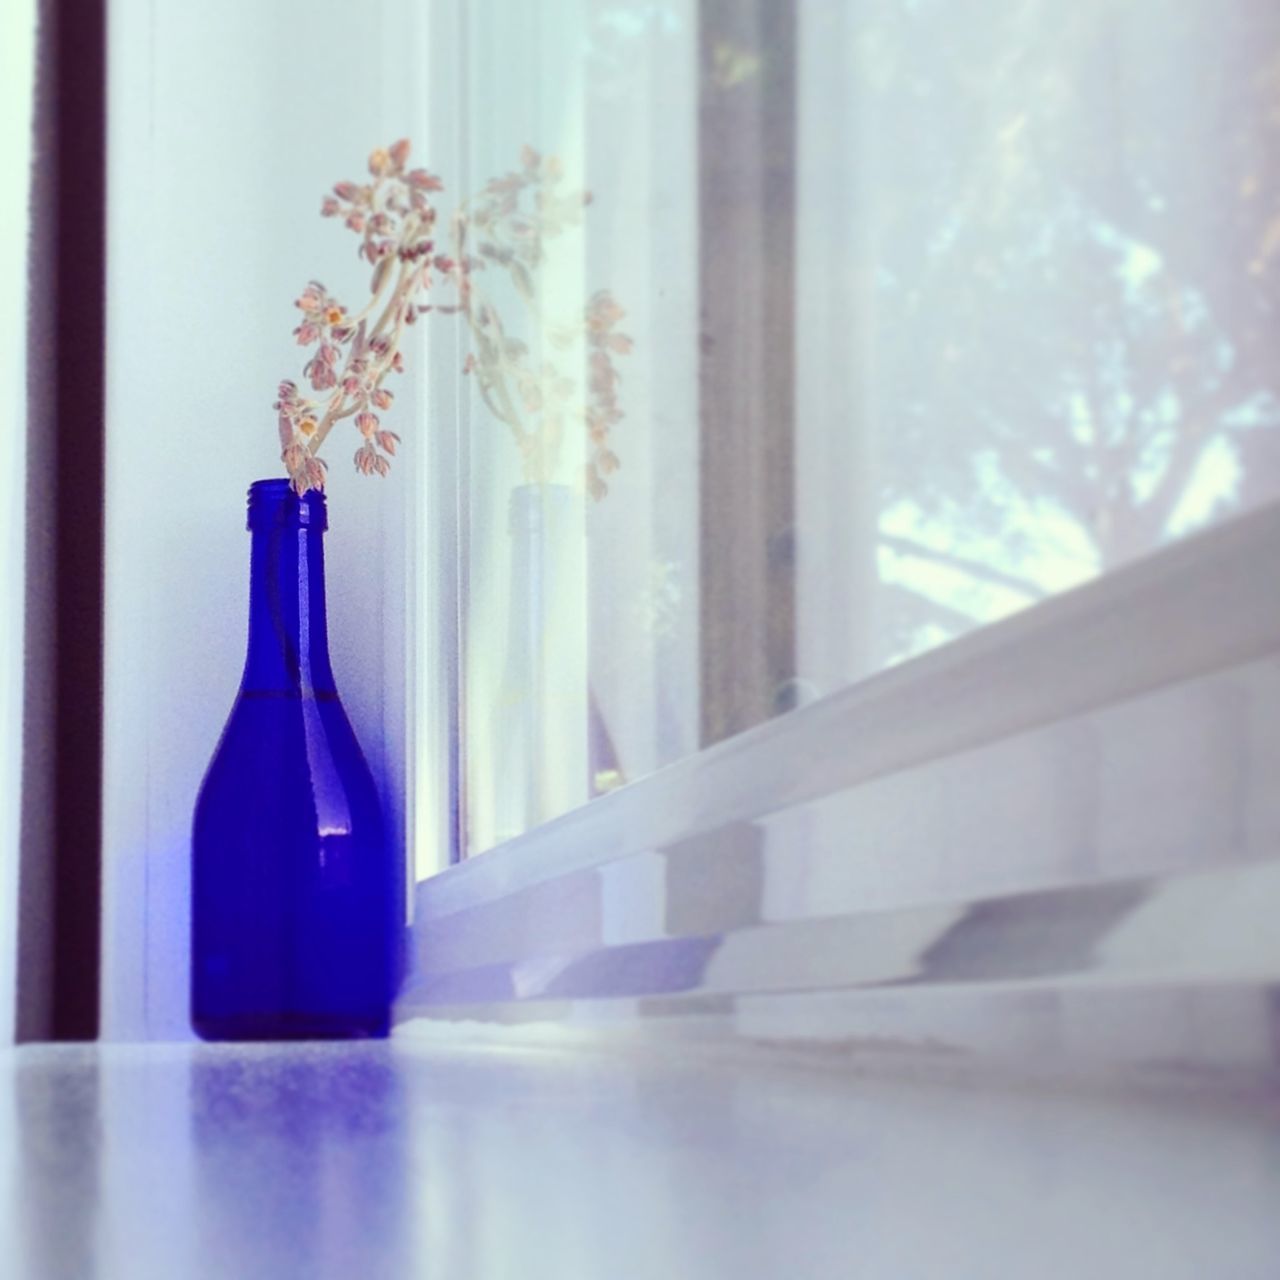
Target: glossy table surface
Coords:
[(404, 1159)]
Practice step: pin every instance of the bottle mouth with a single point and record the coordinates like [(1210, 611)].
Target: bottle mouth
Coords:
[(274, 505)]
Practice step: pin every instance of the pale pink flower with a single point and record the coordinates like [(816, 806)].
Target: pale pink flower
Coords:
[(602, 312), (367, 460), (313, 298), (603, 375), (321, 374), (318, 306)]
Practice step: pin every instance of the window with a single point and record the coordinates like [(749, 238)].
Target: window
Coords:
[(928, 312)]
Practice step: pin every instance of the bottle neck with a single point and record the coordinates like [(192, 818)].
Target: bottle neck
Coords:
[(288, 634), (539, 521)]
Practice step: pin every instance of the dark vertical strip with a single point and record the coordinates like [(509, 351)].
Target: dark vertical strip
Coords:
[(747, 193), (60, 876)]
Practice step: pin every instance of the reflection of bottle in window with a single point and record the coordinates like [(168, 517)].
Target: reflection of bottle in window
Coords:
[(540, 710)]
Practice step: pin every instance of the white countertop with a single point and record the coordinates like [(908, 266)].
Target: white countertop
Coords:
[(405, 1159)]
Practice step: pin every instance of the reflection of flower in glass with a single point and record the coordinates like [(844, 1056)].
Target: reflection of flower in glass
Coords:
[(603, 412), (656, 607), (509, 225), (731, 65)]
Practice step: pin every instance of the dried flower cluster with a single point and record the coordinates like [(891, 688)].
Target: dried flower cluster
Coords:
[(395, 220)]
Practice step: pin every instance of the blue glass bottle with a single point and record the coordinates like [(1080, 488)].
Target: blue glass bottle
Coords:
[(297, 894)]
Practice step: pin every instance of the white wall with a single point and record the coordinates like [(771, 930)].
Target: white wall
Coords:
[(227, 124), (17, 48)]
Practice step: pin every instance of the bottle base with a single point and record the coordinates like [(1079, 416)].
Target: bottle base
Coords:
[(292, 1026)]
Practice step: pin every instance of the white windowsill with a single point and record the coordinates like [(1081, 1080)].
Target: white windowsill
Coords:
[(392, 1160), (1074, 804)]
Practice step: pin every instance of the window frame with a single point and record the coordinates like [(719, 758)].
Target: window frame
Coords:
[(59, 927), (607, 905)]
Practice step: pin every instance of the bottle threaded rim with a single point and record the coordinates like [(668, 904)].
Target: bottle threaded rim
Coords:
[(273, 504)]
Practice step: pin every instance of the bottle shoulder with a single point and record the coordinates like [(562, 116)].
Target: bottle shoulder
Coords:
[(282, 749)]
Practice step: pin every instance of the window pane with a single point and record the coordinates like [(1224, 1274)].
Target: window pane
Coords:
[(885, 320), (1041, 244)]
